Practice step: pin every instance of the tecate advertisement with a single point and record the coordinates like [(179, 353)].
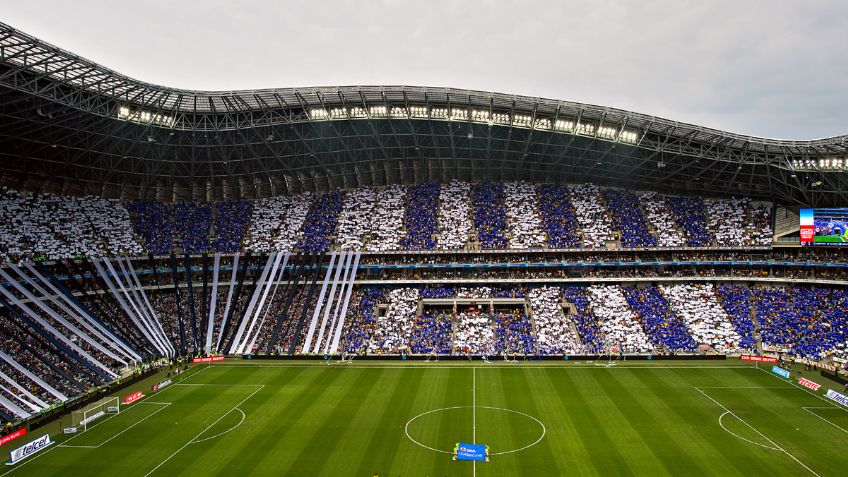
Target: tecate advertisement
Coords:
[(809, 384)]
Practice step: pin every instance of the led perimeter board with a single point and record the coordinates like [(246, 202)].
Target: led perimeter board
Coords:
[(824, 226)]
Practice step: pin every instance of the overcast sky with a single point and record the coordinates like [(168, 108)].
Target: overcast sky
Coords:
[(769, 68)]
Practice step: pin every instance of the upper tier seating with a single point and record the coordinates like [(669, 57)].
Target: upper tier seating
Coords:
[(396, 218)]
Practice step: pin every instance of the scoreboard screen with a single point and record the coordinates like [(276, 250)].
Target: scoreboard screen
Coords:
[(824, 226)]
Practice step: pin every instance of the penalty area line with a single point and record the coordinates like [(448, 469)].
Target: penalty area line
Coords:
[(164, 406), (160, 464), (776, 446), (186, 375)]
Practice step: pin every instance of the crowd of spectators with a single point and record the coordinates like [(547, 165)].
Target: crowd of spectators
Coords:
[(628, 219), (473, 333), (431, 334), (592, 215), (489, 215), (275, 223), (454, 216), (355, 218), (760, 231), (387, 219), (727, 218), (589, 332), (665, 329), (736, 300), (554, 333), (513, 333), (361, 320), (662, 221), (393, 330), (807, 322), (320, 222), (48, 226), (698, 306), (522, 216), (152, 223), (620, 326), (826, 330), (779, 319), (558, 216), (231, 221), (689, 214), (421, 213), (192, 221), (427, 216)]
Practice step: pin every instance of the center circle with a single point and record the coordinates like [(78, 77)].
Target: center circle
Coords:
[(478, 425)]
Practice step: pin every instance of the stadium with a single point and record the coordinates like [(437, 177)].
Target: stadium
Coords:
[(407, 280)]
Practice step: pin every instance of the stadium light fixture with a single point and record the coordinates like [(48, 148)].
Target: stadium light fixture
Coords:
[(318, 113), (145, 117), (377, 111), (439, 113), (628, 136), (501, 118), (607, 132), (586, 129), (542, 124), (458, 114), (563, 125), (522, 120), (480, 115), (484, 116), (418, 111)]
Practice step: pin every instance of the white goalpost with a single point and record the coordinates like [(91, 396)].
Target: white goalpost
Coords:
[(82, 418), (344, 358)]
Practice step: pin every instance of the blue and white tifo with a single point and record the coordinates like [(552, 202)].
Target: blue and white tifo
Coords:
[(465, 451)]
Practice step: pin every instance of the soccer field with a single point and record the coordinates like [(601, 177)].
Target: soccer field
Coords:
[(402, 419)]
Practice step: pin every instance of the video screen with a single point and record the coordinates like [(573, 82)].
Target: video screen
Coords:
[(824, 226)]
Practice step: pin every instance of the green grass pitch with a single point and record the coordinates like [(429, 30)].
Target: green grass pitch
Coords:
[(400, 419), (829, 238)]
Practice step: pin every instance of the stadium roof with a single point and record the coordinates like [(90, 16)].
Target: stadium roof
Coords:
[(73, 126)]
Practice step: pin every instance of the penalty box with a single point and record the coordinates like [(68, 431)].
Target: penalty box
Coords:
[(181, 409)]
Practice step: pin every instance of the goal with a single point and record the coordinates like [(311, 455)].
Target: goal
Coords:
[(82, 418)]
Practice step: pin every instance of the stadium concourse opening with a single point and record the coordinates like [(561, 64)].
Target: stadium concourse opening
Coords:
[(407, 281)]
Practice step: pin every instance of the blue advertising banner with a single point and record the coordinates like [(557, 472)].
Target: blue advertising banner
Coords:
[(780, 371), (465, 451)]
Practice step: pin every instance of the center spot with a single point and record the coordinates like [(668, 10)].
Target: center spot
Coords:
[(503, 430)]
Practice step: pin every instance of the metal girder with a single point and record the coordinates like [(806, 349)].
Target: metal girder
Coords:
[(58, 120)]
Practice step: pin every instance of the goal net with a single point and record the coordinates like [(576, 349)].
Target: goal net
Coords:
[(87, 416)]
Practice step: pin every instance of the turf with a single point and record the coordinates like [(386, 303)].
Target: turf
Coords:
[(829, 238), (354, 420)]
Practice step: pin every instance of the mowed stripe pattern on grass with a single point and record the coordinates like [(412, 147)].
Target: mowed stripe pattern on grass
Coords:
[(336, 420)]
